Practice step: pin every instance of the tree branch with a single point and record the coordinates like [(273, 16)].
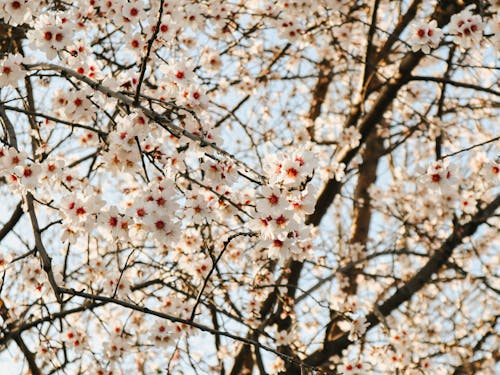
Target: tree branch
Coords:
[(162, 120), (14, 218), (419, 280), (449, 81), (46, 259)]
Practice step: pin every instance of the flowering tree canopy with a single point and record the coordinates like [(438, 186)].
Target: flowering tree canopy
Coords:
[(242, 187)]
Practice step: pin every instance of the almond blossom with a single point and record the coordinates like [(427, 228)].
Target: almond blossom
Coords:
[(11, 70), (425, 35), (467, 28), (51, 34), (17, 12), (441, 176), (356, 327), (491, 172)]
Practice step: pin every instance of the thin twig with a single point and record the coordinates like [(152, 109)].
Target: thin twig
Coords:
[(472, 147), (46, 259), (14, 218), (161, 120), (148, 52), (214, 264), (176, 319)]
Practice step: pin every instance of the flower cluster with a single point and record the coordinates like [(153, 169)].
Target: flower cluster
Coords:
[(281, 210), (467, 28), (356, 327), (17, 12), (425, 35), (11, 70), (153, 212), (51, 34), (441, 176)]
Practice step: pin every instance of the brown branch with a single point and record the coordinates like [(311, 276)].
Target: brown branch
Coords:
[(362, 211), (362, 217), (370, 64), (30, 356), (333, 187), (262, 77), (10, 38), (387, 95), (231, 112), (40, 247), (449, 81), (244, 360), (243, 363), (175, 319), (367, 124), (348, 267), (472, 147), (400, 27), (148, 52), (471, 367), (21, 327), (325, 76), (214, 264), (161, 120), (442, 95), (14, 218), (9, 127), (29, 106), (55, 119)]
